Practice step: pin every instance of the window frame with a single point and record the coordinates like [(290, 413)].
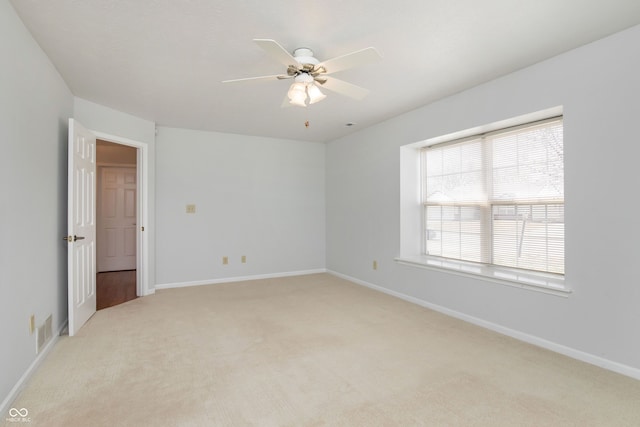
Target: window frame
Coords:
[(486, 203), (413, 226)]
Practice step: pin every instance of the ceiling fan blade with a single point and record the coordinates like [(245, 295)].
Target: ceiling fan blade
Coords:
[(344, 88), (274, 77), (350, 60), (274, 49)]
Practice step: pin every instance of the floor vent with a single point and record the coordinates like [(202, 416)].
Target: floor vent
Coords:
[(44, 334), (48, 328), (39, 339)]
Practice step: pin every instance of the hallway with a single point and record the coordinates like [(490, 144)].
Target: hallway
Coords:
[(115, 287)]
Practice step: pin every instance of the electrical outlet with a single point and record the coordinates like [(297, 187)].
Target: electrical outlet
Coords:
[(191, 209), (375, 265), (32, 323), (243, 259), (225, 260)]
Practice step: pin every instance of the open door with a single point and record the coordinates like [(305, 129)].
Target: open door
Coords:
[(81, 229)]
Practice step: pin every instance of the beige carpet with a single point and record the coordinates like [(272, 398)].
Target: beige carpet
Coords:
[(310, 351)]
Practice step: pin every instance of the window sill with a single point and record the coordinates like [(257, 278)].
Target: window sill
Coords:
[(533, 281)]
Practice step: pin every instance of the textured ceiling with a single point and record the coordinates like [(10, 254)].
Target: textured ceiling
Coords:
[(164, 60)]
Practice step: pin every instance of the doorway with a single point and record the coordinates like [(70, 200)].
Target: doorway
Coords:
[(81, 220), (116, 217)]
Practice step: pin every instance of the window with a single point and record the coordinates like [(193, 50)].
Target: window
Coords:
[(497, 198)]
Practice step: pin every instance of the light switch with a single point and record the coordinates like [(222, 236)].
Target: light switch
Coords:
[(191, 209)]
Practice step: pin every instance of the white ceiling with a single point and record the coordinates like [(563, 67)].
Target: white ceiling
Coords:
[(164, 60)]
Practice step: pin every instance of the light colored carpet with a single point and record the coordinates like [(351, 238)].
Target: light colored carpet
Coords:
[(310, 351)]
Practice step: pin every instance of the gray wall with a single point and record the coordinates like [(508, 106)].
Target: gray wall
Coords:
[(35, 105), (259, 197), (598, 87)]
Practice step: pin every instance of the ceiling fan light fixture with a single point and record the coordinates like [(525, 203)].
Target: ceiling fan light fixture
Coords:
[(315, 95), (297, 94)]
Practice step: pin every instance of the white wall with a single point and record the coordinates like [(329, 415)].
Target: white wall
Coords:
[(259, 197), (113, 122), (34, 109), (598, 87)]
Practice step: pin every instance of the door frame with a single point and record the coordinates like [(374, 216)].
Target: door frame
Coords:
[(142, 206)]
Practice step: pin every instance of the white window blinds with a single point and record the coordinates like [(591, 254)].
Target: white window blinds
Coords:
[(498, 198)]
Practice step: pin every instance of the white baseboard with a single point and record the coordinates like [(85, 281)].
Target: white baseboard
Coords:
[(239, 279), (13, 394), (531, 339)]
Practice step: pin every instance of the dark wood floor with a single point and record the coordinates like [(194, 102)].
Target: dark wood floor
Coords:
[(115, 287)]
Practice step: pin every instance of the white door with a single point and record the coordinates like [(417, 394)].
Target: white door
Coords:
[(81, 231), (117, 219)]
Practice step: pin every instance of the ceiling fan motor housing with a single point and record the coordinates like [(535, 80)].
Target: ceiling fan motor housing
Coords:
[(303, 78), (305, 56)]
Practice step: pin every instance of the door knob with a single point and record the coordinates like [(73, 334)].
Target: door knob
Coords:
[(72, 238)]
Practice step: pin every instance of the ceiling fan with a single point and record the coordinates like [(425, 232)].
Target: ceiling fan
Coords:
[(309, 74)]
